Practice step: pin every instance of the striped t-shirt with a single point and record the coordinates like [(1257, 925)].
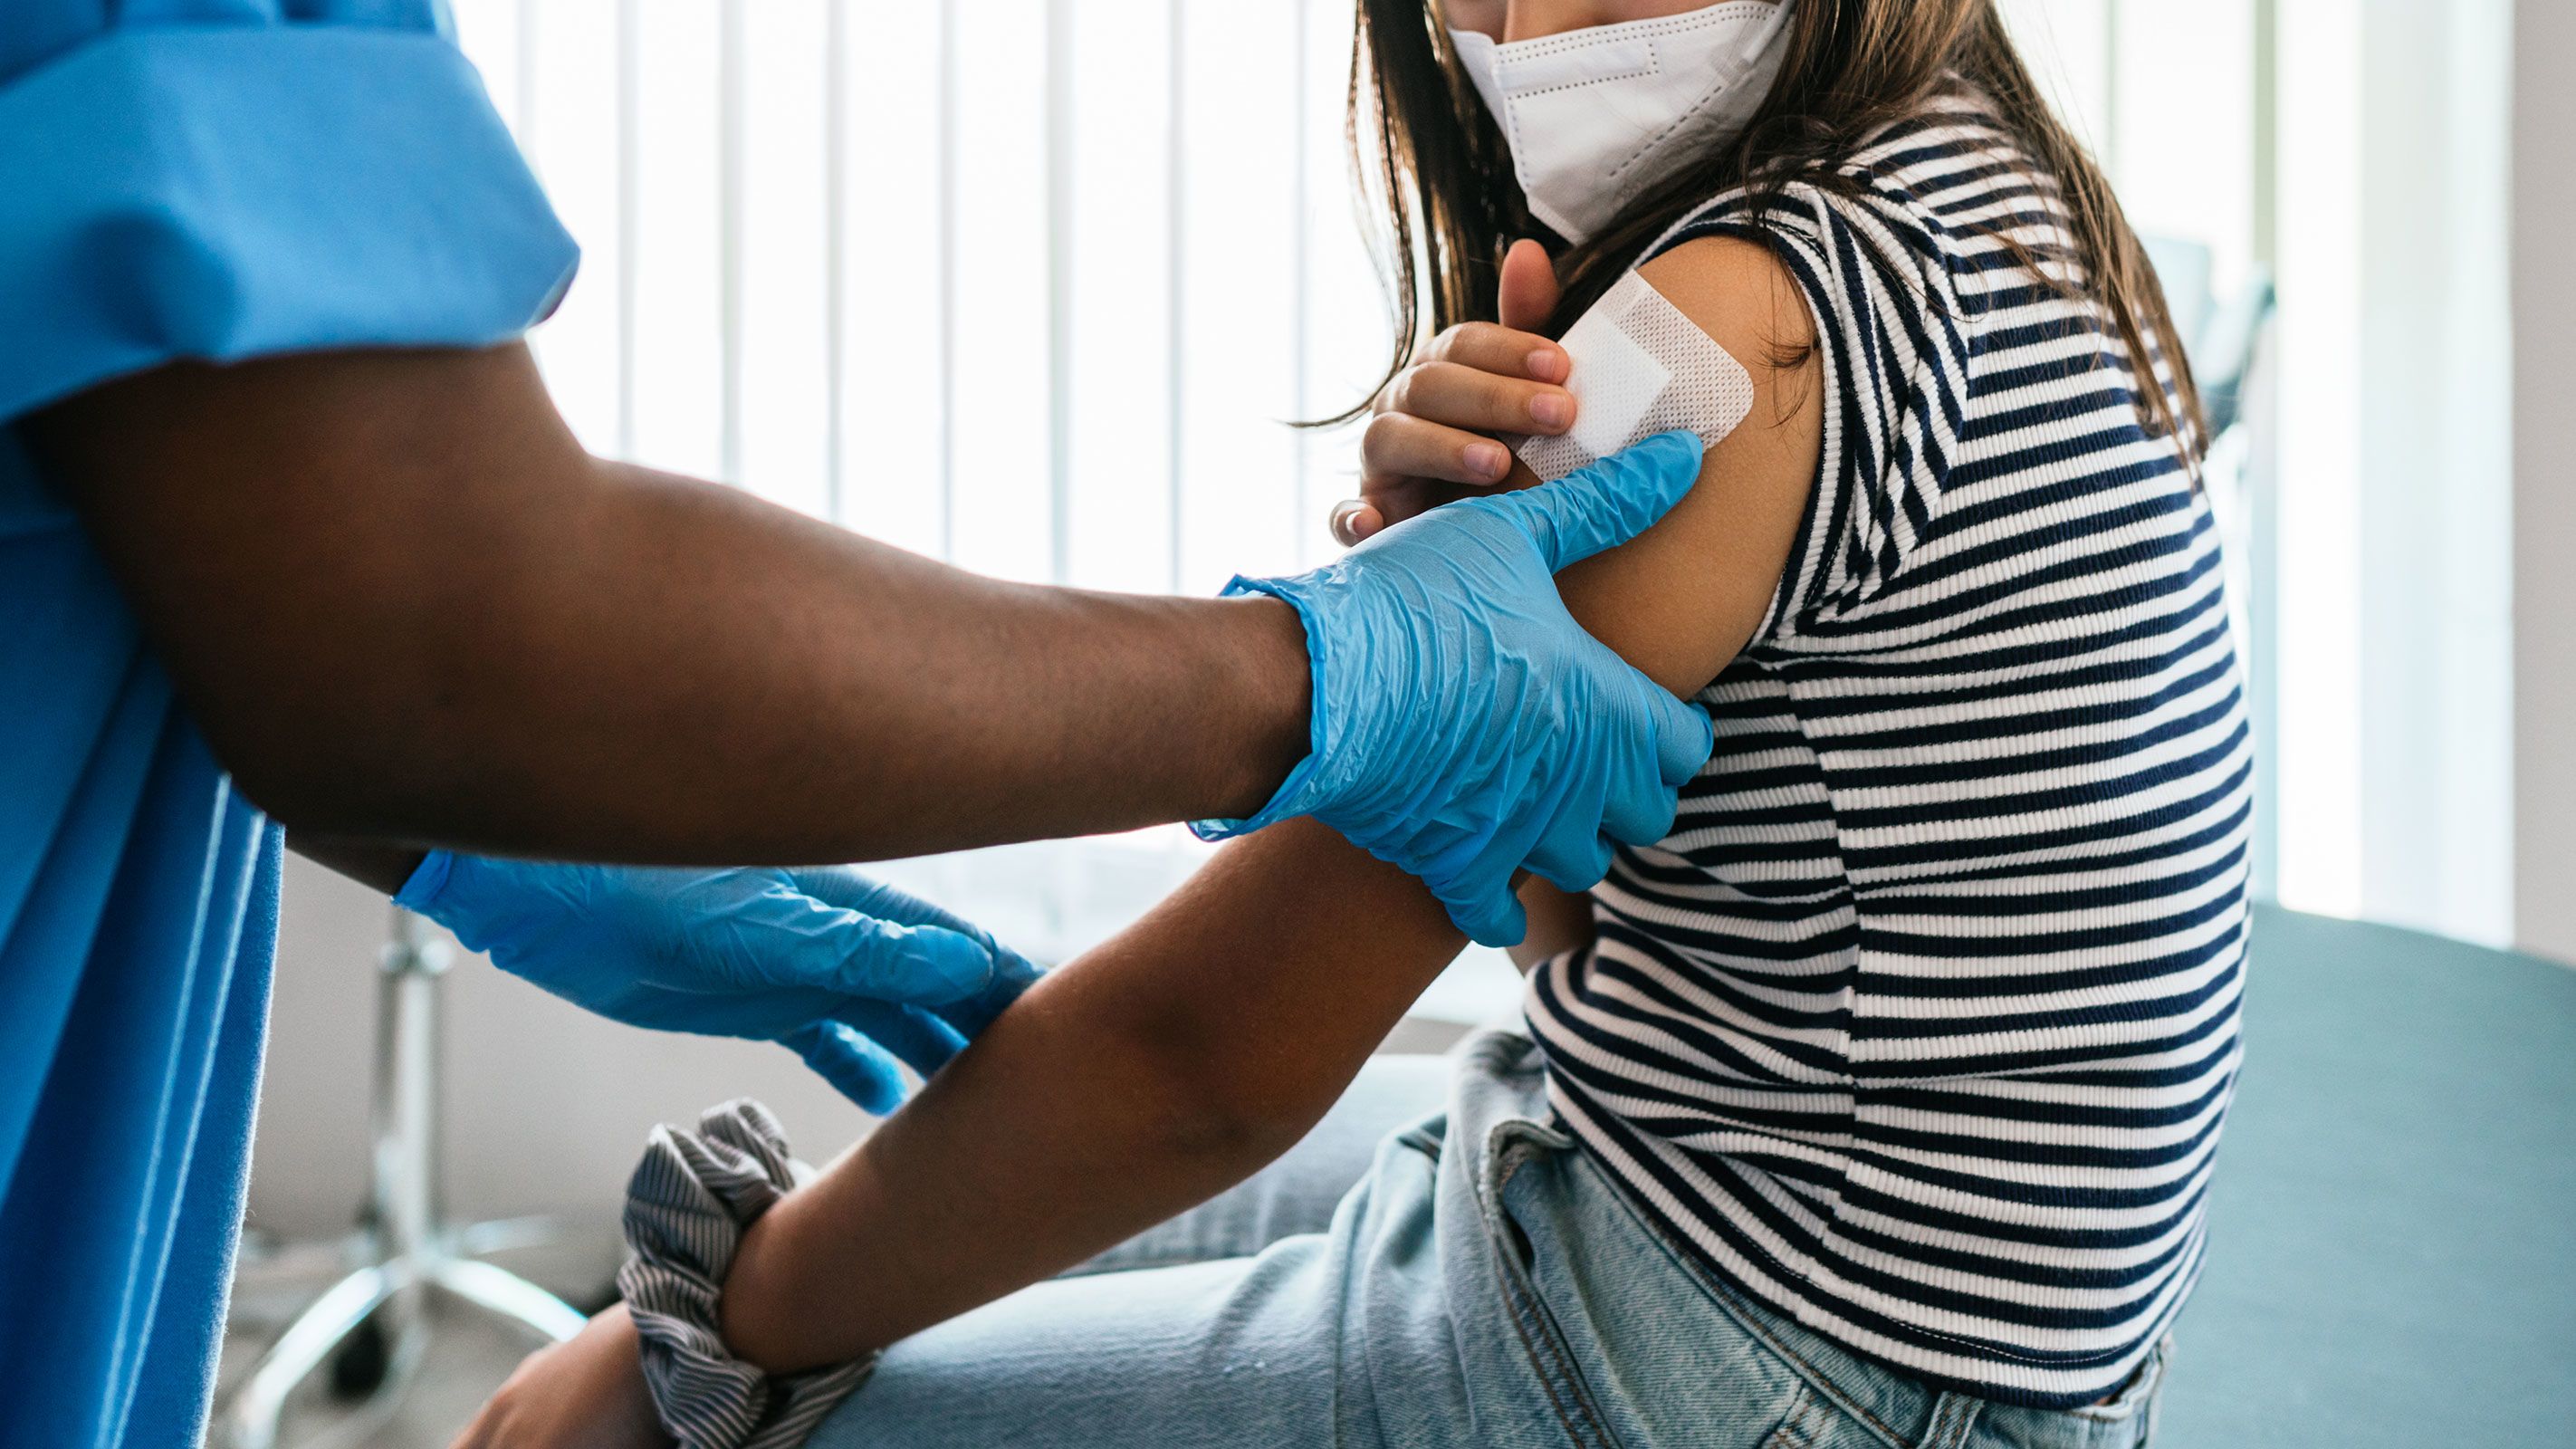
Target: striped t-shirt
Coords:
[(1921, 1024)]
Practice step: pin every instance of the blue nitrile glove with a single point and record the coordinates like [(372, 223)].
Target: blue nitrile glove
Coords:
[(847, 973), (1464, 725)]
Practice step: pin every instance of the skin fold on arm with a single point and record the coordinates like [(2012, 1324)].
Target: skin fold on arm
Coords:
[(1180, 1056)]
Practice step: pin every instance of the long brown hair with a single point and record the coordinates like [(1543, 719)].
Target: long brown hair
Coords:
[(1449, 204)]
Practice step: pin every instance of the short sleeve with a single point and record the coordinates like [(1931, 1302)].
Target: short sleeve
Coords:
[(1894, 355), (225, 190)]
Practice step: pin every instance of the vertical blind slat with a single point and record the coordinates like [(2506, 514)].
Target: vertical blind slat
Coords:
[(1302, 262), (525, 103), (630, 42), (948, 87), (729, 167), (836, 75), (1175, 296), (1059, 245)]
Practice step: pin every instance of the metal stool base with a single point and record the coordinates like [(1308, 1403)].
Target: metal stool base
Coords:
[(406, 1251)]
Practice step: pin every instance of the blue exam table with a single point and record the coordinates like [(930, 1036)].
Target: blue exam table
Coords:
[(2393, 1230)]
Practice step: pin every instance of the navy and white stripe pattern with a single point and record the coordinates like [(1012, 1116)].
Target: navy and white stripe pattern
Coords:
[(1921, 1025), (687, 1205)]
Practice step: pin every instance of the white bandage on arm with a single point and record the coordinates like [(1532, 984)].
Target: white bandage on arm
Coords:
[(1640, 368)]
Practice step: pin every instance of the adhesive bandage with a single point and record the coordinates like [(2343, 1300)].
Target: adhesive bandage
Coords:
[(1640, 368)]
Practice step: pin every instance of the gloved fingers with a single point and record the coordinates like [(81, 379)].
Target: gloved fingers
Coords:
[(1486, 910), (854, 890), (1570, 839), (856, 1067), (849, 889), (916, 1036), (1642, 814), (1607, 503), (1573, 855), (923, 965), (784, 936), (968, 1017), (1472, 874), (1642, 805), (1684, 735)]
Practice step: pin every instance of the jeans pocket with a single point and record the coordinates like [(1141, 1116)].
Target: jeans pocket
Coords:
[(2135, 1402), (1806, 1423), (1560, 1372)]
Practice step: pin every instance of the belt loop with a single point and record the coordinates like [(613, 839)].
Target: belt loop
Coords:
[(1954, 1418)]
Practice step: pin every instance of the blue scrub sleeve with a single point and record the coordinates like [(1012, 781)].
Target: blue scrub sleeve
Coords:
[(223, 191)]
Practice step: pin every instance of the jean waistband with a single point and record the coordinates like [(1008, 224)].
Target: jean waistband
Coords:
[(1908, 1413)]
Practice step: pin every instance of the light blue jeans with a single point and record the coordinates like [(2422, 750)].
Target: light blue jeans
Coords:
[(1408, 1277)]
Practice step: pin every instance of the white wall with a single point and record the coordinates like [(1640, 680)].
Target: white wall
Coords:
[(2544, 352), (2433, 467)]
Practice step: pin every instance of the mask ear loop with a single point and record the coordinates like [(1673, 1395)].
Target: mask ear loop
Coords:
[(1770, 30)]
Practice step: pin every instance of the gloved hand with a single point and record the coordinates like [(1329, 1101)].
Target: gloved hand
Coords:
[(1463, 724), (849, 974)]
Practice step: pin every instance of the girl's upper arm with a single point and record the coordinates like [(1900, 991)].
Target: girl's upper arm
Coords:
[(1684, 599)]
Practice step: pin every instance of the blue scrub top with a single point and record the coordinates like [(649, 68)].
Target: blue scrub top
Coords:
[(179, 178)]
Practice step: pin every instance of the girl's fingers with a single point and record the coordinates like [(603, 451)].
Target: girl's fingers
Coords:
[(1355, 519), (1433, 426), (1400, 446), (1460, 396), (1503, 351), (1385, 502)]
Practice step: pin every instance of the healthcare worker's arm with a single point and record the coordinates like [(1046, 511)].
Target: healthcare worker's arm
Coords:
[(405, 604), (1182, 1055)]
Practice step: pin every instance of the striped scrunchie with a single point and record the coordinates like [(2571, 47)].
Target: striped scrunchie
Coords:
[(686, 1208)]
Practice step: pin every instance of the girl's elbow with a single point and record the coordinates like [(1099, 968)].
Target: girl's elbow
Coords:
[(1214, 1103)]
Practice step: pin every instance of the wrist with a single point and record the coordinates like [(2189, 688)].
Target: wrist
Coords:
[(1266, 647), (690, 1205), (753, 1321)]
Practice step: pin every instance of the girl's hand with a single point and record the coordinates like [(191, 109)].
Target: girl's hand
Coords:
[(585, 1394), (1429, 442)]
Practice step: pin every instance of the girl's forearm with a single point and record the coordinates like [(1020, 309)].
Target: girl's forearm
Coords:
[(1141, 1079)]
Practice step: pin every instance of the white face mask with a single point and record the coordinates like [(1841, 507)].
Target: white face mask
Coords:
[(1597, 116)]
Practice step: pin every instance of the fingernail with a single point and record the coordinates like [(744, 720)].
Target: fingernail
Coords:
[(1552, 409), (1488, 460), (1547, 365)]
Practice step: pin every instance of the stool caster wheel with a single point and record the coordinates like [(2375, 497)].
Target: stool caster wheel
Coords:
[(360, 1367)]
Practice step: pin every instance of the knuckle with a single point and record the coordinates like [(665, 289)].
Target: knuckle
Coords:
[(1400, 398)]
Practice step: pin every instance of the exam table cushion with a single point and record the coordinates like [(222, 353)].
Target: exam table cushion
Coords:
[(2393, 1230)]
